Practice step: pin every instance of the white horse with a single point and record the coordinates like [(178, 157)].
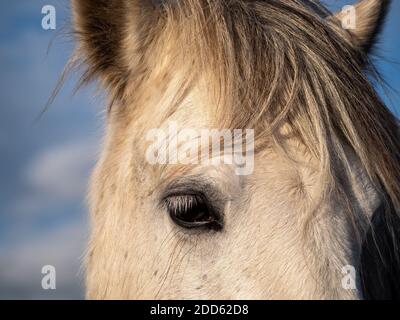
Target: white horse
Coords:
[(318, 216)]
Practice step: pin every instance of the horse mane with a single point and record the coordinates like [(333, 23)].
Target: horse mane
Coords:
[(273, 63)]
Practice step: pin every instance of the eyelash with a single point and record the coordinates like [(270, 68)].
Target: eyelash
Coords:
[(180, 202)]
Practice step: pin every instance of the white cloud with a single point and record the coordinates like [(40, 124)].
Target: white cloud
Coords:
[(55, 176), (62, 172)]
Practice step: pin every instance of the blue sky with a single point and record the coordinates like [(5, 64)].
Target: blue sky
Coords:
[(44, 165)]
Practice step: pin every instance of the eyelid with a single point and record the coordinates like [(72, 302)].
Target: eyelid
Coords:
[(193, 185)]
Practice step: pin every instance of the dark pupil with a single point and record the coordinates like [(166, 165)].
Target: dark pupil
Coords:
[(197, 212)]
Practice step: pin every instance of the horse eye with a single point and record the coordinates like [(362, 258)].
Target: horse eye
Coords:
[(192, 211)]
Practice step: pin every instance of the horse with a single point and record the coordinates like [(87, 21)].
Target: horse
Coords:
[(317, 216)]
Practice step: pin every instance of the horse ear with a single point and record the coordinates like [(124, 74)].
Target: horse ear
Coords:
[(101, 28), (363, 21)]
